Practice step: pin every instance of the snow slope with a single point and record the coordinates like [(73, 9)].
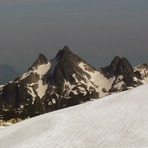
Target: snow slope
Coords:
[(116, 121), (97, 79)]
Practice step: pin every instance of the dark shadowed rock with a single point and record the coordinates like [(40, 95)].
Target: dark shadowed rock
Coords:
[(121, 67), (66, 67), (118, 66)]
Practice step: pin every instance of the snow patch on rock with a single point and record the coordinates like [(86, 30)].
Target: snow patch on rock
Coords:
[(97, 79)]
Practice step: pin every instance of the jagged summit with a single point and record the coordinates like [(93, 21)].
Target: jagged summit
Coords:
[(118, 66), (123, 67), (39, 61), (115, 61), (65, 81), (64, 52), (122, 70), (67, 65), (66, 49)]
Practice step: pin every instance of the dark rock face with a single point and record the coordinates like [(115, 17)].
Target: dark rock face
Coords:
[(66, 67), (121, 66), (118, 66)]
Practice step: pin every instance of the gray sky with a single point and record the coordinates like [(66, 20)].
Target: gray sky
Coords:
[(96, 30)]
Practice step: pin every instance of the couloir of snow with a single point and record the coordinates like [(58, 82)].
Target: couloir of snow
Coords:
[(115, 121)]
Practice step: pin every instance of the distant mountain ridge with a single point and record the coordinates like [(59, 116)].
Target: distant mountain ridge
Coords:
[(7, 73), (65, 81)]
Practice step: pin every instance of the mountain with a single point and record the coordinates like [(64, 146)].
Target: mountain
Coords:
[(65, 81), (7, 73), (118, 120), (124, 74)]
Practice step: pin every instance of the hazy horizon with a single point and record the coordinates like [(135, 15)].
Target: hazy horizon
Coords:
[(95, 30)]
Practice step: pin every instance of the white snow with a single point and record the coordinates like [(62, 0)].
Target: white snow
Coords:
[(25, 75), (68, 88), (119, 82), (82, 90), (1, 127), (32, 93), (41, 88), (115, 121), (1, 87), (41, 70), (53, 101), (21, 106), (97, 79)]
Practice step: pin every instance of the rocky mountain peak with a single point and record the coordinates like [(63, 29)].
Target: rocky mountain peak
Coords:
[(66, 49), (118, 66), (115, 61), (39, 61), (124, 67), (65, 81), (67, 63), (114, 64), (64, 52)]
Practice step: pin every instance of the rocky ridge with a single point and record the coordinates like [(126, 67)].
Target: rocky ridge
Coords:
[(65, 81)]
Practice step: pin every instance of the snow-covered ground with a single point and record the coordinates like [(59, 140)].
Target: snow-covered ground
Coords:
[(116, 121)]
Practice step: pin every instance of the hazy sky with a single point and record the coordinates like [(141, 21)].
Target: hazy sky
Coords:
[(96, 30)]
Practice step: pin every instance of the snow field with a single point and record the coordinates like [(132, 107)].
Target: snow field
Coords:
[(115, 121)]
